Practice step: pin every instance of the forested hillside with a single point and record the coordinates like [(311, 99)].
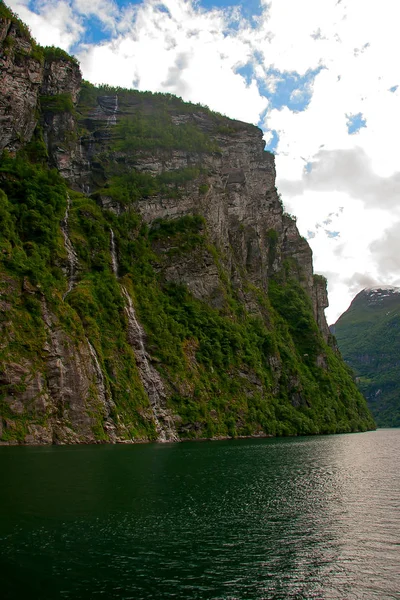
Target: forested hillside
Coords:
[(368, 334)]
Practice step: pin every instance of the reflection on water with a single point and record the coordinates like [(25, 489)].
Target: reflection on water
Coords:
[(295, 518)]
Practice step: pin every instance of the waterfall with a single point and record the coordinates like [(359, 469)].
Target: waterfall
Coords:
[(101, 386), (150, 377), (84, 169), (114, 260), (104, 396), (112, 119), (72, 257)]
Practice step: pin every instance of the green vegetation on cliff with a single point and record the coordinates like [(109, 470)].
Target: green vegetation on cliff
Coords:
[(216, 362), (7, 13), (141, 132), (368, 336), (40, 53)]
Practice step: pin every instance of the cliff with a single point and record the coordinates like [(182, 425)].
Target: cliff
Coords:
[(369, 338), (152, 286)]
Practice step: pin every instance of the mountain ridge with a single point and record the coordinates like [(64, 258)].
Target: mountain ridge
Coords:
[(368, 338)]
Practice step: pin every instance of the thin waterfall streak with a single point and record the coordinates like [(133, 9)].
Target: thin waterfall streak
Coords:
[(104, 395), (114, 259), (72, 257), (99, 373), (150, 377), (112, 119), (81, 154), (85, 168)]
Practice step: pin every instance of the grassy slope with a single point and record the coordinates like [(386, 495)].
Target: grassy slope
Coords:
[(368, 335)]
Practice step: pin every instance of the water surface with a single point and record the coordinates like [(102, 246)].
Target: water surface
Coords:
[(302, 518)]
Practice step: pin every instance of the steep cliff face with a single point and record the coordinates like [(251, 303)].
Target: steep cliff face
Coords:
[(233, 188), (21, 78), (58, 96), (152, 286)]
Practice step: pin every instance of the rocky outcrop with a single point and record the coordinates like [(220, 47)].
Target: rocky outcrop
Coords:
[(21, 75), (65, 399), (70, 375), (59, 93), (320, 302), (28, 78), (61, 76)]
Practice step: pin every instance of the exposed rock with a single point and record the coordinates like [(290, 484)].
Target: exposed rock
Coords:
[(72, 373), (241, 203), (20, 78), (151, 379), (61, 76), (108, 203), (38, 435), (320, 302), (66, 398), (200, 276), (27, 391)]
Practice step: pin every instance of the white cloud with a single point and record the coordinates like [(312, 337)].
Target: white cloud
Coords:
[(361, 172), (106, 11), (183, 51), (386, 254), (55, 23)]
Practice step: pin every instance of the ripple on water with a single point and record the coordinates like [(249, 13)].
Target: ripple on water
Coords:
[(293, 518)]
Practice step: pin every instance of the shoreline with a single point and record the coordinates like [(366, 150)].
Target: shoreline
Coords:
[(184, 439)]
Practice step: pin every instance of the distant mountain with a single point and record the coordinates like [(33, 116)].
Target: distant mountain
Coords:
[(368, 335)]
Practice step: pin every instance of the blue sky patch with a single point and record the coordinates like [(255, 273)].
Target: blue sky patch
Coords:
[(34, 5), (308, 167), (273, 143), (355, 123), (95, 31), (247, 72), (249, 9), (291, 89)]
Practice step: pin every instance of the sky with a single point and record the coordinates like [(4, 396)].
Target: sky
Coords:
[(320, 77)]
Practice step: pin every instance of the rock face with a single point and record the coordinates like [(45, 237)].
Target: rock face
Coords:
[(61, 81), (320, 302), (21, 75), (28, 77), (369, 338), (166, 294), (237, 197)]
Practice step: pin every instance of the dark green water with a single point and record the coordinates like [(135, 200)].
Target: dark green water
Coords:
[(291, 518)]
